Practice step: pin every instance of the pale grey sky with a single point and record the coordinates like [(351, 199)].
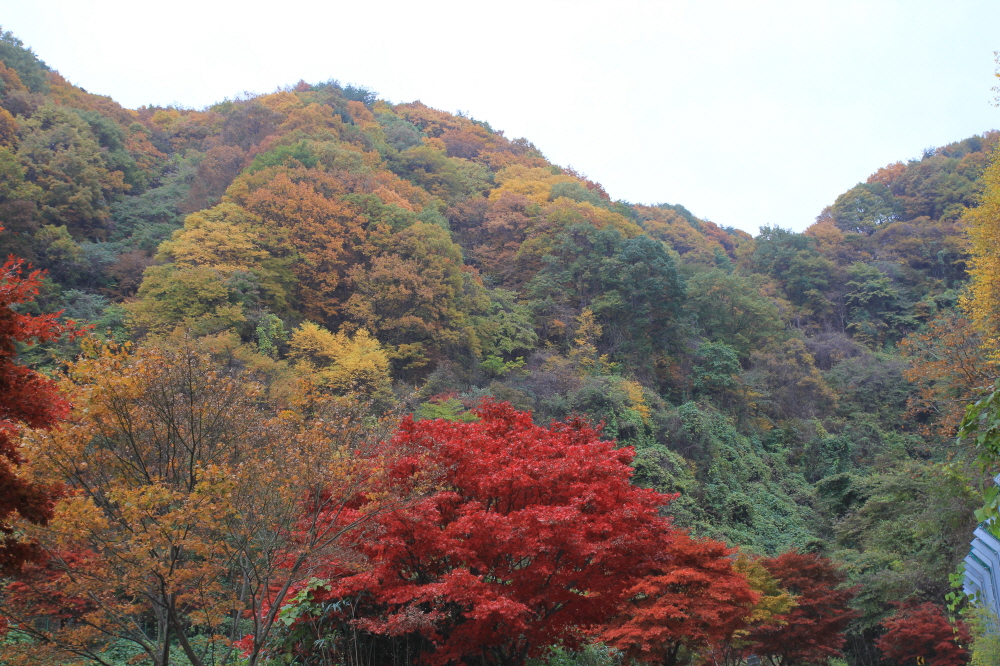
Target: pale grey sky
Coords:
[(747, 112)]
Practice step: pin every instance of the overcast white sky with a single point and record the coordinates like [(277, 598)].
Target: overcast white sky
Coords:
[(747, 112)]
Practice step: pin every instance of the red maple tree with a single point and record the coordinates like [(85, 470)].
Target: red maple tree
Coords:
[(691, 599), (534, 538), (26, 398), (921, 630), (814, 628)]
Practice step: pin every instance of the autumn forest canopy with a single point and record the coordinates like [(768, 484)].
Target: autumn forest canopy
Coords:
[(313, 378)]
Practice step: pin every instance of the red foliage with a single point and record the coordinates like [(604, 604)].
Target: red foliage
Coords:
[(40, 586), (921, 630), (815, 627), (692, 599), (26, 398), (534, 538)]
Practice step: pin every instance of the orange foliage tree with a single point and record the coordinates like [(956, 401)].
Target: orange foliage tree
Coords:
[(183, 490), (951, 368), (323, 231)]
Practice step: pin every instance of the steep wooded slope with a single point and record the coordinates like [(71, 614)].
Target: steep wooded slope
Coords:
[(321, 234)]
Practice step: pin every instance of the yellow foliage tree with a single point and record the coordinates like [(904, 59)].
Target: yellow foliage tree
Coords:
[(228, 239), (982, 302), (193, 297), (535, 183), (584, 354), (355, 364), (215, 237)]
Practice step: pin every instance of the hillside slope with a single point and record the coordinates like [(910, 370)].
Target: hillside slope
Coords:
[(796, 389)]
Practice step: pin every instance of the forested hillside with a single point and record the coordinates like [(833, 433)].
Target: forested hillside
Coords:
[(307, 267)]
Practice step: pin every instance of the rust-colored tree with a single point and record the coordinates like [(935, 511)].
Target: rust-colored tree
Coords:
[(690, 600), (492, 232), (920, 630), (951, 367), (217, 169), (416, 296), (813, 630)]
